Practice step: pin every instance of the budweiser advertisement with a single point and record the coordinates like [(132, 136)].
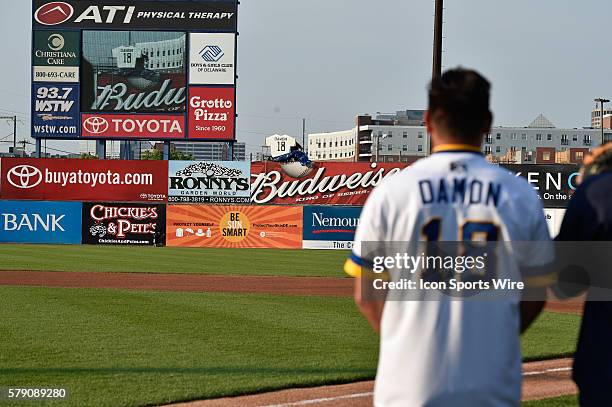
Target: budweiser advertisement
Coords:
[(157, 126), (124, 224), (83, 180), (134, 72), (234, 226), (328, 184)]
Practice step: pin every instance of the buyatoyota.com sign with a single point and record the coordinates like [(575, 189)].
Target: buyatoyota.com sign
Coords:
[(124, 223), (330, 227), (222, 182), (40, 222), (83, 180)]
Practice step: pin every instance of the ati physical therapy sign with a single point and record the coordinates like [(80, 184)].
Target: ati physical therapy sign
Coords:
[(144, 70)]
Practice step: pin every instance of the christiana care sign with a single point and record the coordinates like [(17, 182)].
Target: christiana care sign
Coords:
[(219, 182)]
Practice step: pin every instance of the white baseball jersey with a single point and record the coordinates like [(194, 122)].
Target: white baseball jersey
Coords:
[(449, 352), (280, 145), (126, 56)]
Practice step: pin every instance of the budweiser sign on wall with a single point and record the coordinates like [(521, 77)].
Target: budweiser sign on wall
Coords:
[(327, 184)]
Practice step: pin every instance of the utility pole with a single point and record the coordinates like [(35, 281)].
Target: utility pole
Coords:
[(304, 134), (437, 46), (601, 115), (14, 132), (14, 119)]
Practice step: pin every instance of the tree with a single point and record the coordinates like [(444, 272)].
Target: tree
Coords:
[(87, 156), (158, 155)]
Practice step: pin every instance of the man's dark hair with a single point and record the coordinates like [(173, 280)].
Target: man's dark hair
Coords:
[(459, 103)]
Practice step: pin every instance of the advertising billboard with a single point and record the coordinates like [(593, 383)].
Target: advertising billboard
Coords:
[(134, 72), (219, 182), (175, 15), (83, 180), (131, 126), (211, 59), (56, 56), (234, 226), (40, 222), (327, 184), (554, 182), (211, 113), (330, 227), (124, 224), (55, 110), (127, 66)]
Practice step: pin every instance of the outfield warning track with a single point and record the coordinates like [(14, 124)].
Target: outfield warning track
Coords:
[(275, 285)]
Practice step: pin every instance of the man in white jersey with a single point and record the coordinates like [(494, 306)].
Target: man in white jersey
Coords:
[(451, 352)]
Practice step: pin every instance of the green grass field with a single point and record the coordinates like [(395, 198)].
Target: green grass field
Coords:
[(567, 401), (313, 263), (118, 348)]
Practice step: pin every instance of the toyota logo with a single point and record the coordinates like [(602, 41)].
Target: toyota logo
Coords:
[(54, 13), (95, 125), (24, 176)]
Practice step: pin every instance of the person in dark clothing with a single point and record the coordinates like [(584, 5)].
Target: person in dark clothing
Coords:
[(589, 218)]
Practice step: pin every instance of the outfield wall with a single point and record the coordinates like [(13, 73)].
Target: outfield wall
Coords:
[(207, 204)]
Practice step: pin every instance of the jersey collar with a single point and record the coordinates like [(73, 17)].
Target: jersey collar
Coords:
[(456, 148)]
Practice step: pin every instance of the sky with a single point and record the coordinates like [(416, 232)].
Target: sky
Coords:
[(329, 60)]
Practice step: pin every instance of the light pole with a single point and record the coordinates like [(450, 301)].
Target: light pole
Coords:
[(378, 137), (601, 115), (437, 45)]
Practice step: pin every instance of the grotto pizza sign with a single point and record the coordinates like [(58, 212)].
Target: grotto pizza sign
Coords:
[(327, 184)]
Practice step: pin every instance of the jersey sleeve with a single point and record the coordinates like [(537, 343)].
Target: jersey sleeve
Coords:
[(538, 252), (371, 229)]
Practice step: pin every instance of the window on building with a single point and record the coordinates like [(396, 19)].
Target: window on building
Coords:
[(390, 134), (524, 136), (389, 147), (498, 136), (489, 139), (420, 134), (405, 134), (549, 137), (420, 147), (404, 147), (564, 140), (498, 149), (523, 149), (575, 137), (380, 133), (579, 155), (546, 156), (587, 140), (538, 137), (513, 136), (488, 150)]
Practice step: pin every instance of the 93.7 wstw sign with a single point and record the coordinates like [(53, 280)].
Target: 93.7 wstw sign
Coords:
[(119, 69)]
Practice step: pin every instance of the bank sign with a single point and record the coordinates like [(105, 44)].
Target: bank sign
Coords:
[(219, 182), (138, 70), (40, 222), (330, 227)]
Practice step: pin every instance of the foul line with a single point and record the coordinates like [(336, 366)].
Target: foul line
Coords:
[(368, 394), (558, 369), (323, 400)]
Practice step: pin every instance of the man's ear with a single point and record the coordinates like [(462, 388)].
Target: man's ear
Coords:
[(428, 124)]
